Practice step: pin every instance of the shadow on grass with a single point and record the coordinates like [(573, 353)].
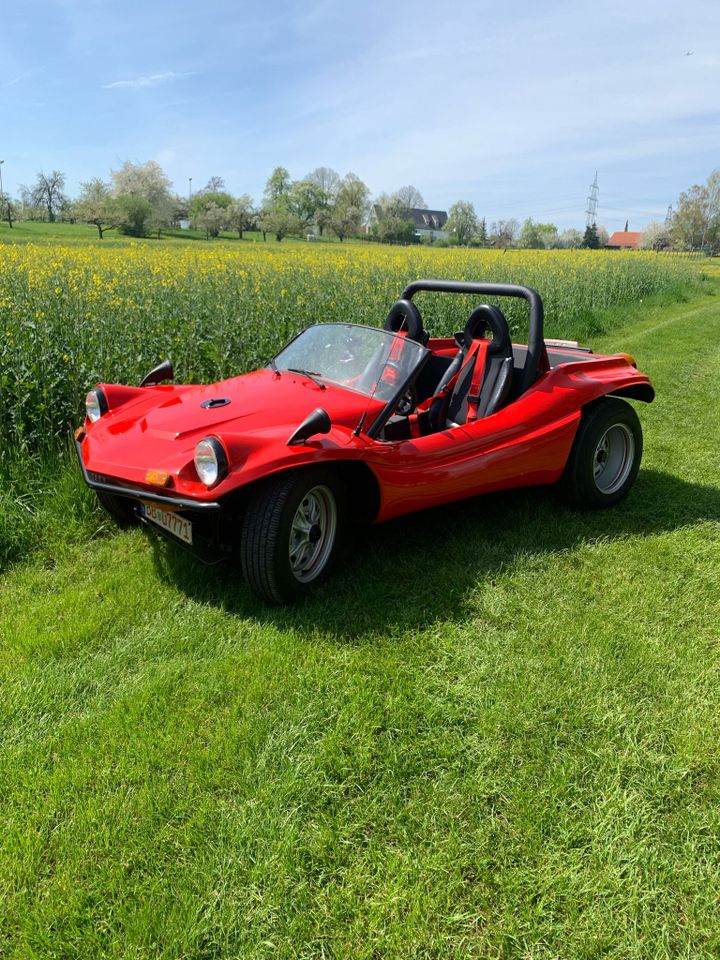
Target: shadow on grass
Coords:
[(422, 568)]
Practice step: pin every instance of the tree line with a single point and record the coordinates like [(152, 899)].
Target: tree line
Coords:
[(138, 201)]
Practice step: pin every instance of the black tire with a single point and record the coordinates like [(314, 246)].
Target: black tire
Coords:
[(273, 570), (121, 509), (605, 457)]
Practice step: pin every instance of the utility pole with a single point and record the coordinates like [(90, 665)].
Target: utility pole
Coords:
[(189, 190), (1, 189), (592, 203)]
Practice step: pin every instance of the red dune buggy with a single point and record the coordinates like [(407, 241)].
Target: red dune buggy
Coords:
[(351, 422)]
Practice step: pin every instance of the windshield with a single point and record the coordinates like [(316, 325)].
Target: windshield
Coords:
[(365, 359)]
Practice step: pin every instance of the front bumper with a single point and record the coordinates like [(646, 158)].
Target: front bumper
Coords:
[(214, 532), (97, 482)]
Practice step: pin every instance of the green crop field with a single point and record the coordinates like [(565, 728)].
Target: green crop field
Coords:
[(492, 735), (75, 314)]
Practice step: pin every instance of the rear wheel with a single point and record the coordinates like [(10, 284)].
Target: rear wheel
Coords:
[(121, 509), (606, 455), (290, 534)]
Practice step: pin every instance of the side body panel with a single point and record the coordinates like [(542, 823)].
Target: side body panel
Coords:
[(524, 444), (466, 461)]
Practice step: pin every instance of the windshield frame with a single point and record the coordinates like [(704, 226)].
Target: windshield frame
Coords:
[(401, 387)]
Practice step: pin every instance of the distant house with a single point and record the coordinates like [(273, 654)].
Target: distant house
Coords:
[(625, 240), (428, 223)]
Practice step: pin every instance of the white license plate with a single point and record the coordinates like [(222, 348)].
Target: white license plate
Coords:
[(176, 525)]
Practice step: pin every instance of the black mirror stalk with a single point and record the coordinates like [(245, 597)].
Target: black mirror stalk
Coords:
[(316, 422), (163, 371)]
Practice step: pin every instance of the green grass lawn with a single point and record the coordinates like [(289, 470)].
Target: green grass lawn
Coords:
[(494, 734), (37, 231)]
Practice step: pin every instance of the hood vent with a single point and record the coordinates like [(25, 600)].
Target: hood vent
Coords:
[(215, 402)]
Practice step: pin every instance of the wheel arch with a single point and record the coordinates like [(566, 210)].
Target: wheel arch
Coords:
[(634, 391), (605, 377), (359, 482)]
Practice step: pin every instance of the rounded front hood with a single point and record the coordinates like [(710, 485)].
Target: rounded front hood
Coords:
[(160, 428)]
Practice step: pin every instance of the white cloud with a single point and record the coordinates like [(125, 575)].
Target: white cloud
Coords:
[(153, 80), (165, 156), (18, 79)]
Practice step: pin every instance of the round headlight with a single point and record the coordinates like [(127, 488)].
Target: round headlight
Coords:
[(210, 461), (95, 404)]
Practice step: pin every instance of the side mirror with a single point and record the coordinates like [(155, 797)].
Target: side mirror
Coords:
[(316, 422), (163, 371)]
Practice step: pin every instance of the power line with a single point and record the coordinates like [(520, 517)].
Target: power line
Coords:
[(627, 210)]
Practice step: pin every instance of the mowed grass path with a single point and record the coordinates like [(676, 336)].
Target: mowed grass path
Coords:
[(494, 734)]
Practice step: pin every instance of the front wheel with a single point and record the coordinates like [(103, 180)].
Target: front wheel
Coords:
[(606, 454), (290, 534)]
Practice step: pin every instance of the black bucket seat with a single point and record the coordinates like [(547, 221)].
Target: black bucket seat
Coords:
[(478, 381)]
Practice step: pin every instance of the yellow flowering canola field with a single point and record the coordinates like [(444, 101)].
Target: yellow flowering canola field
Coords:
[(71, 316)]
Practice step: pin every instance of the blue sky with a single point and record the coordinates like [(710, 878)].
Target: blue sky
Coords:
[(510, 105)]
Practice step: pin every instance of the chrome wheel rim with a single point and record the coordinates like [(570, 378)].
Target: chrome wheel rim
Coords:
[(312, 534), (613, 458)]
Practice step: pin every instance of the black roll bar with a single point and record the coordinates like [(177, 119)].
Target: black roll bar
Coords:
[(536, 341)]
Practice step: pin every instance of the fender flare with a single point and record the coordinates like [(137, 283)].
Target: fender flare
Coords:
[(634, 391)]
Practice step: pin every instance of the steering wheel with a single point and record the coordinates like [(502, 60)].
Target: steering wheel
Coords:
[(407, 402)]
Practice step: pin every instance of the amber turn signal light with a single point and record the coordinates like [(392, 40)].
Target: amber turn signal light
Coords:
[(158, 478)]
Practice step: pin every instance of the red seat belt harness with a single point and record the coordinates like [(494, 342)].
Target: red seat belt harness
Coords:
[(480, 348)]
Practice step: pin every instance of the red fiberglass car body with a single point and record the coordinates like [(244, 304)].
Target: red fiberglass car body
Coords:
[(351, 422)]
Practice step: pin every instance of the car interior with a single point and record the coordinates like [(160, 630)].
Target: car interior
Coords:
[(466, 380)]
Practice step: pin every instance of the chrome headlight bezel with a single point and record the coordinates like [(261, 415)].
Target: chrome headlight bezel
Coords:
[(96, 404), (211, 463)]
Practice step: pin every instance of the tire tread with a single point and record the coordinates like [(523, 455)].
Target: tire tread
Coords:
[(263, 558), (259, 538)]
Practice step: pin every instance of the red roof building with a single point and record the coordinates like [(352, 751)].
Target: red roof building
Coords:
[(625, 240)]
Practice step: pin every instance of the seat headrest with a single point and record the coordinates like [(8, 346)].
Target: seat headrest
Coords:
[(488, 317), (404, 315)]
